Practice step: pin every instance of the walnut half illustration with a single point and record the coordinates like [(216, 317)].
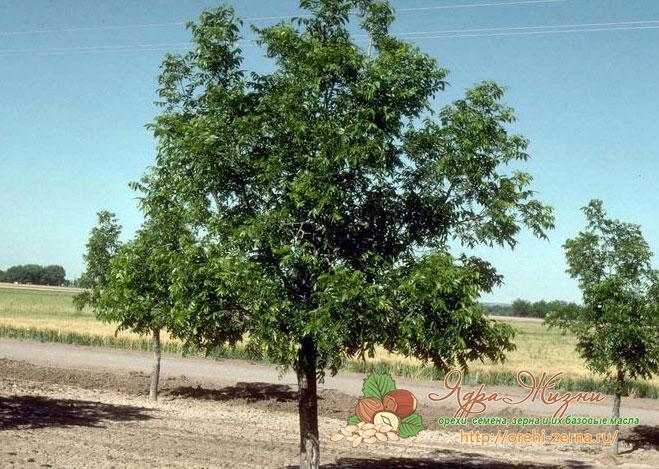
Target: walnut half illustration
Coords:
[(367, 407), (387, 419)]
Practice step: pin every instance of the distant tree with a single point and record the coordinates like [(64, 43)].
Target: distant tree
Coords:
[(28, 273), (35, 274), (617, 328), (542, 308), (323, 197), (54, 275), (498, 309), (13, 274), (539, 309), (522, 308), (102, 245)]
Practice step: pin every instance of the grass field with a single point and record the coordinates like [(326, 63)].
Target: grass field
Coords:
[(49, 315)]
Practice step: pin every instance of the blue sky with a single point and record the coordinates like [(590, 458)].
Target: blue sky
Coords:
[(72, 121)]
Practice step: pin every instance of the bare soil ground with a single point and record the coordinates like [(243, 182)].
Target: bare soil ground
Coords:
[(81, 416)]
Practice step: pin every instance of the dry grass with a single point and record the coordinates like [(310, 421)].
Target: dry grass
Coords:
[(538, 349), (53, 310), (79, 326)]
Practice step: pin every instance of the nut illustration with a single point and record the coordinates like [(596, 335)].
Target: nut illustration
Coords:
[(400, 402), (369, 433), (367, 408), (380, 416), (387, 418)]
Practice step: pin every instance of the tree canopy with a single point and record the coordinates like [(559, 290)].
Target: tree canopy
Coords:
[(135, 291), (332, 172)]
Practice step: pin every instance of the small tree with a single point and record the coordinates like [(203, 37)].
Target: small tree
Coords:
[(135, 293), (323, 196), (128, 285), (617, 328)]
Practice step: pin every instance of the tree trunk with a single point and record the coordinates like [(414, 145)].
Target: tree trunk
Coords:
[(616, 409), (155, 374), (308, 405)]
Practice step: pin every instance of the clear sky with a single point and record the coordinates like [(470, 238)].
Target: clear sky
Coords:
[(583, 76)]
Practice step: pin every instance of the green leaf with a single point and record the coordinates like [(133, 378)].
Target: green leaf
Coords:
[(410, 426), (354, 420), (378, 385)]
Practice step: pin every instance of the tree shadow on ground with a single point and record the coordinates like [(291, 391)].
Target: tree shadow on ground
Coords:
[(448, 463), (250, 392), (447, 459), (641, 436), (29, 412)]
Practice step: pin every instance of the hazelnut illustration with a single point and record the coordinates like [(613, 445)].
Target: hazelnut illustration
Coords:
[(389, 403), (387, 418), (400, 402), (367, 407)]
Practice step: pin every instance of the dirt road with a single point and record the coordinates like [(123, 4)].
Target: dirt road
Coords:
[(215, 373), (18, 286), (69, 406)]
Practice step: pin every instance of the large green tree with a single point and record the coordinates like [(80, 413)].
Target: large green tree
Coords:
[(617, 328), (323, 196)]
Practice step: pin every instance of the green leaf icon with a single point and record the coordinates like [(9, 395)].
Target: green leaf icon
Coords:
[(410, 426), (378, 385), (354, 420)]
